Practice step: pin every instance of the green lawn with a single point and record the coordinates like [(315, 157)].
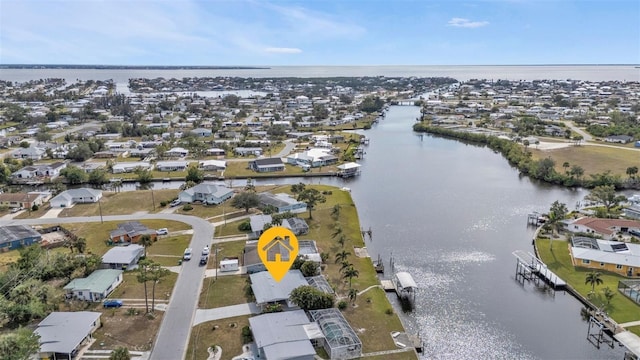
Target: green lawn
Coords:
[(593, 159), (121, 203), (227, 249), (621, 309), (130, 288), (227, 290), (168, 249), (231, 228), (226, 333)]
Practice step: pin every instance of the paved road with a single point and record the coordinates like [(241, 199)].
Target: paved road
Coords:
[(289, 145), (92, 124), (173, 336), (585, 135)]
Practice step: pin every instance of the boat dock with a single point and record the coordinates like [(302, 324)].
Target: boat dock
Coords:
[(529, 267), (536, 219)]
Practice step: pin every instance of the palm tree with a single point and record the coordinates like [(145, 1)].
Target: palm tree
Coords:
[(156, 273), (338, 231), (146, 241), (345, 265), (342, 256), (593, 278), (353, 293), (335, 212), (350, 273), (342, 240), (120, 353), (143, 277), (608, 294), (566, 166)]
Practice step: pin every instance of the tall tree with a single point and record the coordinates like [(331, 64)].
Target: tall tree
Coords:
[(557, 213), (143, 277), (146, 241), (309, 298), (605, 195), (350, 273), (156, 274), (342, 256), (298, 188), (632, 171), (353, 294), (194, 174), (311, 197), (593, 279), (245, 200)]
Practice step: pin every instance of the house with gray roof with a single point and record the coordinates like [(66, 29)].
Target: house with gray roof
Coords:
[(16, 236), (94, 287), (32, 152), (296, 225), (209, 194), (269, 291), (75, 196), (282, 202), (267, 165), (258, 223), (62, 334), (131, 232), (290, 340), (122, 257), (177, 165)]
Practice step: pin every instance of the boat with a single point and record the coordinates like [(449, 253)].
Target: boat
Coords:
[(379, 265)]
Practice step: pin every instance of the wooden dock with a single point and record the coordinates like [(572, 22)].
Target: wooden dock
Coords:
[(387, 285), (529, 267)]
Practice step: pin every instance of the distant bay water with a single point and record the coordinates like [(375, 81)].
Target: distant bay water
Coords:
[(461, 73)]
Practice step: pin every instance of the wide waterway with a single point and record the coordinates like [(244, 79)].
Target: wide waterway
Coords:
[(452, 214)]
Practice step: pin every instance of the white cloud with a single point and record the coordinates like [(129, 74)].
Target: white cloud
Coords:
[(283, 50), (466, 23)]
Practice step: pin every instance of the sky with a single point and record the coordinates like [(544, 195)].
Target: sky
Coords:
[(319, 32)]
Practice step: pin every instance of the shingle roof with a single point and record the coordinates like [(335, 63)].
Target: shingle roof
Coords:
[(266, 289), (62, 332)]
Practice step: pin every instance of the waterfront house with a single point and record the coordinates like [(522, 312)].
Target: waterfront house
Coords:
[(267, 165), (22, 200), (95, 287), (296, 225), (122, 257), (605, 228), (206, 193), (130, 232), (172, 165), (622, 258), (312, 158), (76, 196), (212, 165), (245, 151), (281, 202), (129, 167), (268, 291), (16, 236), (292, 340), (32, 152), (349, 169), (62, 334)]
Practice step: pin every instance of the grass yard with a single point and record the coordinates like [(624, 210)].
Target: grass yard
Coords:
[(135, 332), (593, 159), (225, 333), (97, 233), (373, 325), (121, 203), (28, 214), (168, 249), (132, 289), (621, 309), (231, 228), (227, 290), (227, 249), (241, 168)]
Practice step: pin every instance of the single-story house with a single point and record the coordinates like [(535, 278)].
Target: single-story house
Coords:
[(258, 223), (267, 165), (250, 258), (202, 132), (206, 193), (269, 291), (172, 165), (50, 171), (309, 250), (22, 200), (129, 167), (131, 232), (62, 334), (606, 228), (282, 202), (16, 236), (292, 340), (76, 196), (122, 257), (32, 152), (621, 139), (338, 340), (244, 151), (622, 258), (94, 287), (212, 165), (177, 152), (215, 152), (349, 169), (312, 158)]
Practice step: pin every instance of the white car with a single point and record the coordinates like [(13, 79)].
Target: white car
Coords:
[(175, 203), (163, 231), (205, 251), (187, 253)]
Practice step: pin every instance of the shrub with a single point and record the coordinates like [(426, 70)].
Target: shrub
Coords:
[(245, 226), (187, 207), (389, 311), (342, 305), (163, 203), (35, 207)]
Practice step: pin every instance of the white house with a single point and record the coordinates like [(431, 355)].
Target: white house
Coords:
[(177, 152), (314, 157), (206, 193), (94, 287), (172, 165), (62, 334), (75, 196), (127, 167), (33, 153), (212, 165), (122, 257)]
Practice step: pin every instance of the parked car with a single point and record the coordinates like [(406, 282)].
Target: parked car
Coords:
[(206, 251), (204, 259), (112, 303), (175, 203), (163, 231), (15, 210), (187, 253)]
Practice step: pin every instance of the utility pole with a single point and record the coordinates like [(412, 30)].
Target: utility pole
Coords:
[(153, 200), (216, 261), (100, 207)]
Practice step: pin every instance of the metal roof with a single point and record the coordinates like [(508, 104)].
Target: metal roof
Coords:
[(266, 289), (405, 280), (98, 282), (122, 254), (62, 332), (17, 232), (282, 335)]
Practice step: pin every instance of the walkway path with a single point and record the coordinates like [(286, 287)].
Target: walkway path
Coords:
[(204, 315), (369, 288), (630, 324), (385, 352)]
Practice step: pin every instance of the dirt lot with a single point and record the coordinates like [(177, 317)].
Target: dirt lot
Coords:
[(136, 332)]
